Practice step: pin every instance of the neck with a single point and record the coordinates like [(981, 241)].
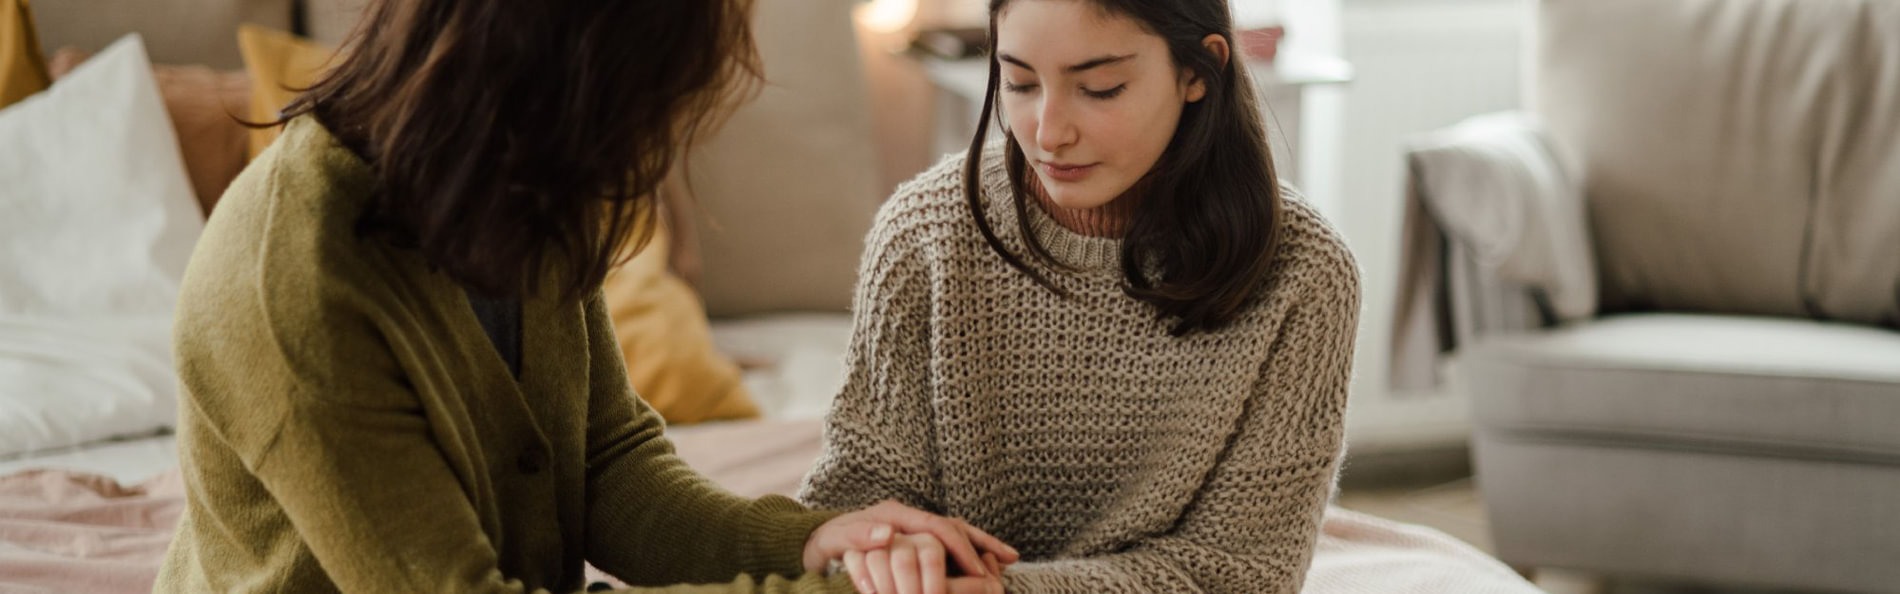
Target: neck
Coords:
[(1108, 220)]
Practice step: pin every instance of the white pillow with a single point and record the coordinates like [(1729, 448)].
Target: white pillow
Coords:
[(97, 221)]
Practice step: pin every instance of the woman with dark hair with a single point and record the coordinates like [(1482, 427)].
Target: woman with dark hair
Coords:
[(1115, 341), (397, 371)]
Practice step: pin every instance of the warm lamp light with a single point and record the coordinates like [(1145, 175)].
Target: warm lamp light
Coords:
[(886, 16)]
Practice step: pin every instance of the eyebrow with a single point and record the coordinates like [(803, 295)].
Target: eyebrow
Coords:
[(1093, 63)]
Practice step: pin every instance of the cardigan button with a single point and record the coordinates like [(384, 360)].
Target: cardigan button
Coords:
[(529, 462)]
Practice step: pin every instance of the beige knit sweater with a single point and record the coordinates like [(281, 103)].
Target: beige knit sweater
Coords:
[(1115, 457)]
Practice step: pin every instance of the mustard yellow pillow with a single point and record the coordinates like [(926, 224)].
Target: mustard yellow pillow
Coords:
[(281, 65), (22, 67), (662, 330)]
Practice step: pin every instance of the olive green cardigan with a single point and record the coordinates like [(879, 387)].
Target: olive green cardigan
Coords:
[(345, 423)]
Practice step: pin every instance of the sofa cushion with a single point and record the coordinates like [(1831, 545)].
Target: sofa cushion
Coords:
[(1761, 385), (1853, 264), (787, 189), (785, 192), (280, 65), (1739, 155), (175, 31), (329, 22), (22, 67)]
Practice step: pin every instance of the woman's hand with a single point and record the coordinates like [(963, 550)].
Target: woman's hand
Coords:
[(879, 526), (913, 564), (989, 584)]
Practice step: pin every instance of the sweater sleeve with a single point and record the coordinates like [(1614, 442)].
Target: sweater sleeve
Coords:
[(1253, 525), (878, 435), (654, 520), (403, 521)]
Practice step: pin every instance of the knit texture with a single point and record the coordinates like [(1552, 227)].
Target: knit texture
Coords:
[(1115, 457), (346, 425)]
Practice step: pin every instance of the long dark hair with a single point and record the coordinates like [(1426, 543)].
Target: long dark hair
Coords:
[(509, 137), (1210, 224)]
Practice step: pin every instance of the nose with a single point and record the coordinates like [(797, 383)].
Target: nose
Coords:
[(1055, 129)]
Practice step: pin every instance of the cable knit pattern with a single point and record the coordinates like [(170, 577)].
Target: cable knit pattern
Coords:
[(1115, 457)]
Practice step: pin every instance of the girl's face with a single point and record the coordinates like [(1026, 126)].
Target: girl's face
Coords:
[(1092, 98)]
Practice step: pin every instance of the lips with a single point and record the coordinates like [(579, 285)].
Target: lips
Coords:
[(1066, 172)]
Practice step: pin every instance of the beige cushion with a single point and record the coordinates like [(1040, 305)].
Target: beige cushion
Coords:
[(1854, 261), (175, 31), (1741, 523), (330, 21), (787, 188), (1726, 383), (785, 192), (1745, 450), (1716, 137)]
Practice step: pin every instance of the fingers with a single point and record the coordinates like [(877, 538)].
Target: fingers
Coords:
[(955, 541), (913, 564), (930, 562), (976, 585), (904, 569), (983, 540), (860, 574), (993, 584), (845, 533), (878, 562), (957, 535)]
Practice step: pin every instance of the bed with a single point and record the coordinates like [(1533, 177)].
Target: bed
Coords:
[(98, 518)]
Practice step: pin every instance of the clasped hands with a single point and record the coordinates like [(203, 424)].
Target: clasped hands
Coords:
[(891, 548)]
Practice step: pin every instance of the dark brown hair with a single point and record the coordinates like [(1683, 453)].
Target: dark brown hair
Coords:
[(1209, 222), (511, 136)]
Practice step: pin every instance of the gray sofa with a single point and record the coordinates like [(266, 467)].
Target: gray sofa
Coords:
[(1671, 291)]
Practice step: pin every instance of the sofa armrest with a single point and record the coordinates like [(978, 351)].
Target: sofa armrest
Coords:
[(1495, 241), (1495, 188)]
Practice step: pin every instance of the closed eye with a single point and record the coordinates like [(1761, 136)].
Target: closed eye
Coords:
[(1107, 94), (1016, 88)]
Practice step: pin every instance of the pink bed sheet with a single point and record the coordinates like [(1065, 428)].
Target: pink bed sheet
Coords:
[(63, 531)]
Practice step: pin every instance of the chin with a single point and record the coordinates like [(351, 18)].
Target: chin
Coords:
[(1074, 198)]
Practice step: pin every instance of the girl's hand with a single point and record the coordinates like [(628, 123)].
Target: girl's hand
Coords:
[(877, 527), (913, 564), (990, 584)]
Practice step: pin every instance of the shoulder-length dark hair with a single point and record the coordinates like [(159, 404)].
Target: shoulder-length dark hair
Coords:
[(511, 137), (1211, 227)]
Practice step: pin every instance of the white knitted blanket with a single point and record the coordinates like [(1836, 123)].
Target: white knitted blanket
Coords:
[(1356, 553), (1363, 554)]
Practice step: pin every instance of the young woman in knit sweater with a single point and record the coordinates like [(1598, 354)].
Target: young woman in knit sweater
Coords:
[(397, 371), (1114, 341)]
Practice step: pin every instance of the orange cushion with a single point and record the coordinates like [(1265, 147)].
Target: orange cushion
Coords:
[(22, 67), (664, 336), (205, 105), (281, 65)]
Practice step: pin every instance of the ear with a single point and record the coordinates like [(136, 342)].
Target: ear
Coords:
[(1216, 45)]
